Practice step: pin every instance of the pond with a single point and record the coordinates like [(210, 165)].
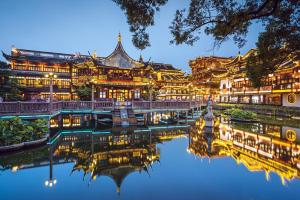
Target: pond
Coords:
[(178, 161)]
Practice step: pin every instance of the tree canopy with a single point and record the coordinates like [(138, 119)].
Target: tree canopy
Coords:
[(10, 90), (84, 92), (226, 19)]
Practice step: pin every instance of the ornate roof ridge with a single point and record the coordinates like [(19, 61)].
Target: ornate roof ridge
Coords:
[(119, 48)]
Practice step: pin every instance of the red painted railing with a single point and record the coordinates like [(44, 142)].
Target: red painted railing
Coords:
[(44, 107)]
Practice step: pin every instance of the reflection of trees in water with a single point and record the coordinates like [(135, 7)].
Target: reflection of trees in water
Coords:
[(24, 158)]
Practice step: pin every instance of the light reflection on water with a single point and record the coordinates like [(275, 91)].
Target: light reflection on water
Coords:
[(235, 161)]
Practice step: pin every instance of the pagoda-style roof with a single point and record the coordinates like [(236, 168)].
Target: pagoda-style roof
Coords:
[(119, 58), (214, 63), (37, 58)]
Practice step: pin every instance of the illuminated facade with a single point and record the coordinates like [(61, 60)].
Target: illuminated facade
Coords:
[(117, 76), (279, 88), (30, 67), (207, 73), (172, 83)]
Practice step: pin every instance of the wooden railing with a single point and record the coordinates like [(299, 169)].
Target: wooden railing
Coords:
[(45, 107), (144, 105), (24, 107)]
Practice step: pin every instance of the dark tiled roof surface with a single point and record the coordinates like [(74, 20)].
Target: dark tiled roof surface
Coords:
[(161, 66)]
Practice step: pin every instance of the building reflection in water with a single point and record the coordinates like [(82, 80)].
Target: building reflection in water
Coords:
[(118, 152), (260, 147), (115, 153)]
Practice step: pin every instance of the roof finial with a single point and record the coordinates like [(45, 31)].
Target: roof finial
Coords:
[(119, 37), (141, 58), (94, 54), (13, 49)]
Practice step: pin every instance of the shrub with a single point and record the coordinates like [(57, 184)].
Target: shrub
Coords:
[(241, 114), (16, 131)]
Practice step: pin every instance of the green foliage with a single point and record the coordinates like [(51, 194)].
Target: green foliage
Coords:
[(217, 112), (16, 131), (24, 157), (249, 127), (140, 15), (226, 19), (84, 92), (280, 39), (10, 90), (241, 114)]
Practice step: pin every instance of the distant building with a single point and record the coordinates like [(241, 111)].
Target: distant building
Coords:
[(226, 80), (207, 73), (279, 88)]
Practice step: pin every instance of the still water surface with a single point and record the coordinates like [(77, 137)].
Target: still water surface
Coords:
[(256, 161)]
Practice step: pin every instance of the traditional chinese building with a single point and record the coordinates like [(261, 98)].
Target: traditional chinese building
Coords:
[(207, 73), (116, 76), (172, 83), (278, 88), (29, 68)]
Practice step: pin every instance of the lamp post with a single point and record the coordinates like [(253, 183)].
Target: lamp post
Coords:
[(150, 92), (51, 181), (190, 87), (93, 82), (51, 76)]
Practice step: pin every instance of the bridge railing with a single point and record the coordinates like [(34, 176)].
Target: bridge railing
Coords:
[(103, 105), (77, 105), (39, 107), (144, 105), (56, 106), (10, 107), (44, 107), (24, 107)]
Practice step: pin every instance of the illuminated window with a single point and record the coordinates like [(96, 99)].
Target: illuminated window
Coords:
[(137, 94), (102, 94), (76, 121), (66, 122)]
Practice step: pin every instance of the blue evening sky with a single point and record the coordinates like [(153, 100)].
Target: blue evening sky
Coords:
[(70, 26)]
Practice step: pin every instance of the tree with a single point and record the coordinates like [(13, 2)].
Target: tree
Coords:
[(84, 92), (10, 90), (140, 15), (225, 19)]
